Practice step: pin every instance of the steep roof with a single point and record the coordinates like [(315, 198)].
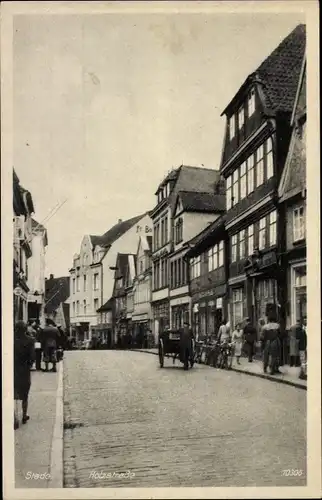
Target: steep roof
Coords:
[(39, 227), (279, 72), (107, 306), (193, 178), (293, 179), (118, 230), (202, 202), (57, 291), (204, 236)]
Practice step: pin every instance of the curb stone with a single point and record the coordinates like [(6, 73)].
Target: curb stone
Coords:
[(56, 452), (247, 372)]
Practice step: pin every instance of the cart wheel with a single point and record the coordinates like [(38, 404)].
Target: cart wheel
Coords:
[(161, 353)]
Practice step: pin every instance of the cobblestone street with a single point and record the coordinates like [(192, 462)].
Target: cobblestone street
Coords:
[(169, 427)]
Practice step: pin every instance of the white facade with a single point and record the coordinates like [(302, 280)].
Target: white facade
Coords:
[(92, 280), (36, 270)]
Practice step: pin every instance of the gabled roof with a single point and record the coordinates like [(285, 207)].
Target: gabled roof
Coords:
[(204, 236), (201, 202), (293, 179), (57, 291), (193, 178), (117, 231), (279, 73), (108, 306)]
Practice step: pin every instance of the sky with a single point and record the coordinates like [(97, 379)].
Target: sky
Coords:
[(105, 105)]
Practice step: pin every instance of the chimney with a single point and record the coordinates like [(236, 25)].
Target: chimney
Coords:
[(51, 276), (119, 221)]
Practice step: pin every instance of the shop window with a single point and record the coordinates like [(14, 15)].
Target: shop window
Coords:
[(299, 298), (238, 306), (251, 102), (228, 193), (250, 174), (243, 179), (262, 234), (234, 248), (298, 224), (250, 239), (260, 166), (265, 294), (269, 158), (242, 250), (272, 228), (235, 188), (221, 254)]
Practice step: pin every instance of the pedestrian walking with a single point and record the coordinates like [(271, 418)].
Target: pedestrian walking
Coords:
[(302, 340), (50, 340), (271, 344), (293, 335), (38, 349), (237, 340), (23, 360), (250, 336), (224, 332)]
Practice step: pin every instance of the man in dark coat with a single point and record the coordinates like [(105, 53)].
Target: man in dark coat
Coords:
[(302, 343), (250, 336), (271, 344), (50, 342), (186, 338)]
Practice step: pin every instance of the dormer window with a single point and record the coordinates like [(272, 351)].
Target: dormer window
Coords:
[(251, 102), (232, 127), (241, 117)]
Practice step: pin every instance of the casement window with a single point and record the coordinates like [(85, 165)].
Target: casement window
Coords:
[(85, 307), (95, 304), (85, 283), (77, 307), (232, 127), (96, 282), (250, 239), (242, 250), (195, 267), (172, 274), (156, 274), (298, 224), (234, 248), (179, 231), (269, 158), (228, 193), (262, 234), (179, 272), (272, 228), (77, 284), (221, 254), (241, 117), (243, 179), (260, 166), (235, 188), (250, 174), (162, 232), (251, 102), (213, 258), (74, 308), (74, 285), (184, 272)]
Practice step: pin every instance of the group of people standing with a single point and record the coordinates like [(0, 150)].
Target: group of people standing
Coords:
[(32, 344), (245, 337)]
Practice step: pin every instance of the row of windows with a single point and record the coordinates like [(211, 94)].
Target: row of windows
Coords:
[(244, 112), (298, 224), (141, 294), (252, 173), (161, 233), (76, 307), (178, 273), (244, 242), (76, 283), (160, 274)]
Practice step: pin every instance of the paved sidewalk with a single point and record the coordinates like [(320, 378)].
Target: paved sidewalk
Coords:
[(36, 441), (290, 375)]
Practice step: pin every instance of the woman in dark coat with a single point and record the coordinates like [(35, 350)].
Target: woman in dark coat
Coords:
[(23, 360)]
